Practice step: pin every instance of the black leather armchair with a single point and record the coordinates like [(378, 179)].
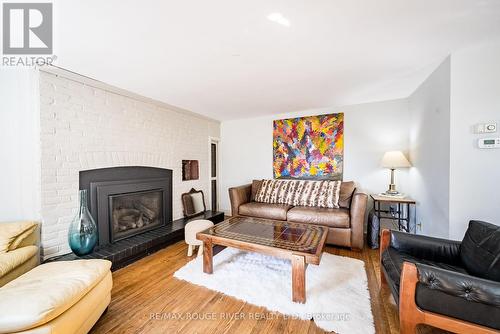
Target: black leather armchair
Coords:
[(443, 283)]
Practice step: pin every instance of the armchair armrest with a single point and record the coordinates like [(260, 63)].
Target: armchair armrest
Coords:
[(410, 315), (239, 195), (428, 248), (465, 286), (357, 212)]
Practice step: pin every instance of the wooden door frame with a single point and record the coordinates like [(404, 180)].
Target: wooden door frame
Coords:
[(216, 141)]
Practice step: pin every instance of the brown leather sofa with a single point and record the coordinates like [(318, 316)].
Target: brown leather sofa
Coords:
[(345, 225)]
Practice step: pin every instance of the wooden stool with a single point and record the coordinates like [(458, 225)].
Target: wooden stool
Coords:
[(190, 231)]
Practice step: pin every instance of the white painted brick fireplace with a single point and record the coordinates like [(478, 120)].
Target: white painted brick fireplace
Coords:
[(86, 125)]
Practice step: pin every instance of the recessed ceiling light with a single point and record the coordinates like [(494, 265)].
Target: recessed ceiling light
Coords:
[(279, 18)]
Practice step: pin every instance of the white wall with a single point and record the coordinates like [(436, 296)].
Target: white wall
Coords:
[(429, 151), (19, 144), (475, 173), (369, 130), (88, 125), (452, 180)]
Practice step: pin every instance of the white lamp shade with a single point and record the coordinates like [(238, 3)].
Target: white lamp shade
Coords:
[(395, 159)]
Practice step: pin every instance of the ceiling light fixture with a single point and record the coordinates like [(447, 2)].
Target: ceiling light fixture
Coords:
[(279, 18)]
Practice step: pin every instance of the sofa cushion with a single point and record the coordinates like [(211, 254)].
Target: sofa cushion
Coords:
[(264, 210), (31, 239), (14, 232), (13, 259), (320, 216), (480, 250), (23, 236), (47, 291)]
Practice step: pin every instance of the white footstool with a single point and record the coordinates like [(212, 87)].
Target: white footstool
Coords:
[(190, 231)]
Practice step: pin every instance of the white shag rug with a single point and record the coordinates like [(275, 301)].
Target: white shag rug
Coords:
[(337, 295)]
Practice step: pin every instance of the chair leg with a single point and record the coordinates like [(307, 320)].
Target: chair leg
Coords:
[(200, 250), (407, 327), (409, 314), (385, 240), (190, 250), (383, 280)]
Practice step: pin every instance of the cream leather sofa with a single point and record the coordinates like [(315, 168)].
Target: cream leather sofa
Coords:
[(19, 249), (65, 297)]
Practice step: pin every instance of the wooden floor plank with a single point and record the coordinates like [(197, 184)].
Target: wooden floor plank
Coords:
[(146, 298)]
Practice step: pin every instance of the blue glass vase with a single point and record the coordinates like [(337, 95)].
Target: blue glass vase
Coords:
[(82, 235)]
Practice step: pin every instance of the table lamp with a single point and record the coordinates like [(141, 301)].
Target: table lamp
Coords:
[(393, 160)]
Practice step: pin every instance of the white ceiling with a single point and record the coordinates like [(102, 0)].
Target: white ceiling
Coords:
[(225, 59)]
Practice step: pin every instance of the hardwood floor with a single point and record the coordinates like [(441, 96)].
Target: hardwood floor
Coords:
[(145, 295)]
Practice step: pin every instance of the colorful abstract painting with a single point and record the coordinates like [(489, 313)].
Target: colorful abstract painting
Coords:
[(309, 147)]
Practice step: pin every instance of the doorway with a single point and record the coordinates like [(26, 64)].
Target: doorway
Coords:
[(214, 174)]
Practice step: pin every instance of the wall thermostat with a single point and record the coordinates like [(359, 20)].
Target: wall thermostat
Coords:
[(488, 143)]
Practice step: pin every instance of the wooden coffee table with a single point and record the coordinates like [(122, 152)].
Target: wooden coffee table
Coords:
[(301, 243)]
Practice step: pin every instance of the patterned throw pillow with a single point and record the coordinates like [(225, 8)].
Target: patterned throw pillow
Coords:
[(323, 194), (268, 191)]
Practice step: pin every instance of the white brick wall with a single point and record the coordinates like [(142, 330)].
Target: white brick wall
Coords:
[(84, 127)]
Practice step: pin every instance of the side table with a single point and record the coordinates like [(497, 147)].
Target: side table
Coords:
[(403, 214)]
